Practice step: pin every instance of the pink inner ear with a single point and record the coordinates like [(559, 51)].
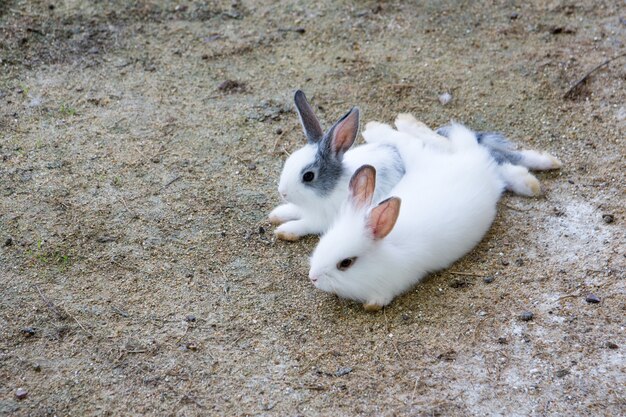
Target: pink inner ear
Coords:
[(362, 186), (383, 217), (345, 132)]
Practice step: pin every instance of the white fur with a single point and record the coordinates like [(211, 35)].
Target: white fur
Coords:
[(308, 213), (448, 204)]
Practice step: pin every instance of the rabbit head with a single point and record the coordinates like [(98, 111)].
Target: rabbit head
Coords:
[(350, 252), (312, 172)]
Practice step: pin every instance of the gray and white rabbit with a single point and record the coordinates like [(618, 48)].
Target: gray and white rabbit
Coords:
[(314, 180), (439, 211)]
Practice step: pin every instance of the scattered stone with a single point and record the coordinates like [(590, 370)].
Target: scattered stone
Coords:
[(205, 56), (8, 242), (448, 356), (504, 262), (519, 262), (191, 346), (251, 166), (608, 218), (488, 280), (561, 373), (28, 331), (343, 371), (611, 345), (279, 131), (231, 86), (37, 367), (445, 98), (405, 317), (459, 283), (190, 318), (261, 230), (299, 30), (502, 340), (223, 233), (526, 316), (21, 393), (592, 299), (155, 159), (514, 16)]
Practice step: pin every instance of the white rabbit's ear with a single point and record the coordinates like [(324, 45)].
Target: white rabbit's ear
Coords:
[(383, 217), (362, 186), (308, 120), (343, 133)]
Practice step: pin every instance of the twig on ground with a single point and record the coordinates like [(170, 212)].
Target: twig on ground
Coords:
[(570, 92), (56, 310), (469, 274), (393, 342)]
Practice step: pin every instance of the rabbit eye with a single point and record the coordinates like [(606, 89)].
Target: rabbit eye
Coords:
[(346, 263), (308, 176)]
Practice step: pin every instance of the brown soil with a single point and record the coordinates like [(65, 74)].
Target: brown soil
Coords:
[(140, 148)]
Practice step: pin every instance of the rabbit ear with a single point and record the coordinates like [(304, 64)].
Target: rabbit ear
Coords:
[(308, 120), (343, 133), (362, 186), (383, 217)]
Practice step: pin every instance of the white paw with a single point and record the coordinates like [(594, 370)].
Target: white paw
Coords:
[(284, 213), (292, 230)]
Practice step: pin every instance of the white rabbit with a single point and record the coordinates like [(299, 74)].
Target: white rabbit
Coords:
[(374, 252), (513, 165), (314, 181)]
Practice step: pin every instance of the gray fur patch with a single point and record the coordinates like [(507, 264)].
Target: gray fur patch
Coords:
[(327, 170), (500, 148), (396, 169)]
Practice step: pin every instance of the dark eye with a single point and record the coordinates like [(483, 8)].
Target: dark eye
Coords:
[(308, 176), (346, 263)]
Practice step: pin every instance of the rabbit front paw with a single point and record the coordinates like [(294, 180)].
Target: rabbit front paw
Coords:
[(284, 213), (292, 230)]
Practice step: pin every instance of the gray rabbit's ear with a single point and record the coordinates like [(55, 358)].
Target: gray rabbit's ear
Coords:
[(383, 217), (343, 134), (362, 186), (308, 120)]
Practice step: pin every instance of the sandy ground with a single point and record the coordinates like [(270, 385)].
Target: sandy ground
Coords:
[(140, 148)]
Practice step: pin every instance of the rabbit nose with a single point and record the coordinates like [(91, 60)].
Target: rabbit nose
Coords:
[(313, 278)]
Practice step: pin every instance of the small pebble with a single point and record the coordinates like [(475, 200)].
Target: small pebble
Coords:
[(37, 367), (261, 230), (611, 345), (279, 131), (205, 56), (191, 346), (504, 262), (488, 280), (21, 393), (519, 262), (561, 373), (343, 371), (526, 316), (251, 166), (405, 317), (8, 242), (514, 16), (608, 218), (28, 331), (592, 299), (502, 340), (445, 98), (190, 318)]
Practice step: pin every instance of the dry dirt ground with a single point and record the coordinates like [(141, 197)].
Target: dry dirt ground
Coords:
[(141, 143)]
